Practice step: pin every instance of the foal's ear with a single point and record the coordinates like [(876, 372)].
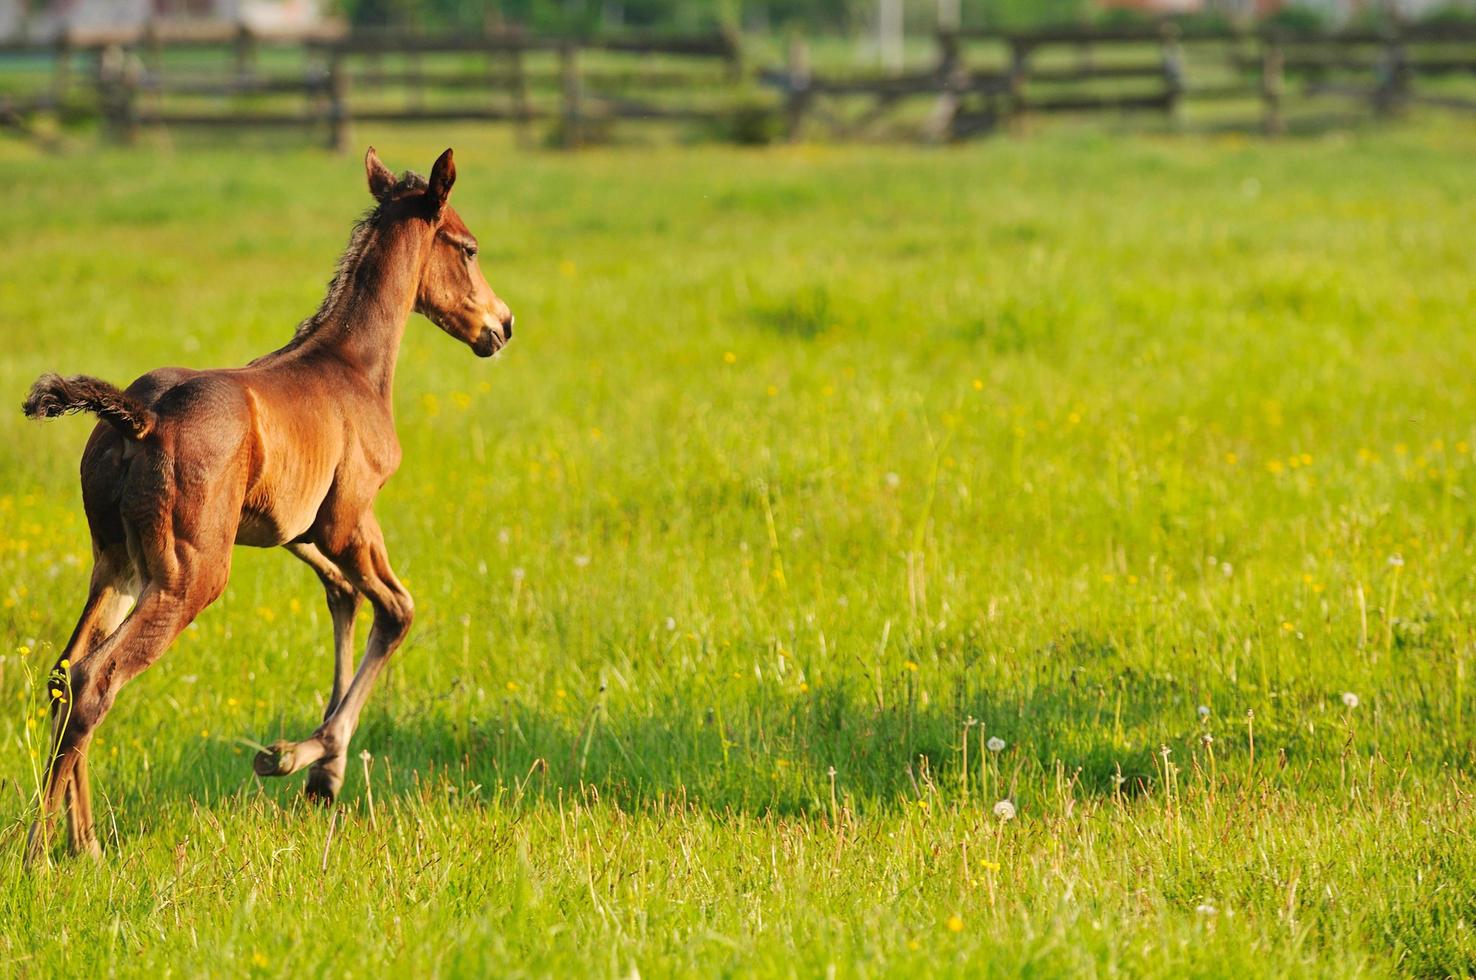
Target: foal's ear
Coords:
[(381, 181), (443, 175)]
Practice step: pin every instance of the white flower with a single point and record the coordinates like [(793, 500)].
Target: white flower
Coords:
[(1396, 560), (581, 560), (670, 624), (1350, 699), (1227, 569), (1164, 751), (893, 480), (995, 744), (1206, 740), (1205, 909), (1004, 810), (518, 573), (1204, 712)]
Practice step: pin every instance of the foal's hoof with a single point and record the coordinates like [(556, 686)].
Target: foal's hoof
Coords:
[(275, 760), (36, 854), (89, 848), (322, 787)]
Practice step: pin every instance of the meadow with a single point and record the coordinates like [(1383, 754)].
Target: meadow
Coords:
[(827, 499)]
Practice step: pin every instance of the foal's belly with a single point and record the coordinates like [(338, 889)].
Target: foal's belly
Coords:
[(268, 529), (283, 507)]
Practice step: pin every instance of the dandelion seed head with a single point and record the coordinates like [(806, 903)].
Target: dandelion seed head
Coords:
[(995, 744), (1004, 810), (1350, 699)]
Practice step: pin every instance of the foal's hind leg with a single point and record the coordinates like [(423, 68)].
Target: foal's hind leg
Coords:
[(343, 605), (175, 592), (95, 680), (366, 564), (109, 597)]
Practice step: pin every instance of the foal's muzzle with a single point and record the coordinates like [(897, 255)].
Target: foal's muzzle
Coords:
[(493, 337)]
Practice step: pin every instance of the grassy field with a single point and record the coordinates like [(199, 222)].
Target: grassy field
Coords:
[(810, 472)]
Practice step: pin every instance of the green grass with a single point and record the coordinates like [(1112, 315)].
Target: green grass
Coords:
[(810, 470)]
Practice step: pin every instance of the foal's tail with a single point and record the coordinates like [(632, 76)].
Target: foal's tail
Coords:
[(53, 395)]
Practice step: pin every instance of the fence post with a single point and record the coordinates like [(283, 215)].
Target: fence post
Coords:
[(521, 110), (573, 95), (152, 49), (245, 52), (1393, 77), (797, 88), (128, 86), (117, 91), (1273, 62), (1173, 71), (1019, 68), (952, 80), (734, 39), (338, 110), (61, 78)]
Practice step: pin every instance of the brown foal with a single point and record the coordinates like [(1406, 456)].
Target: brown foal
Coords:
[(289, 450)]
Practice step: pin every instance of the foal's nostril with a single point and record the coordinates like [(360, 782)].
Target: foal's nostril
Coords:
[(508, 327)]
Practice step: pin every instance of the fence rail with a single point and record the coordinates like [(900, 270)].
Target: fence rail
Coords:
[(979, 80)]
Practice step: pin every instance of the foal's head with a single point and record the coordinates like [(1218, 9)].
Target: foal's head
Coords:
[(452, 292)]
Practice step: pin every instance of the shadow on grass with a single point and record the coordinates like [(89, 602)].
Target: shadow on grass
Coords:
[(1078, 715), (759, 749)]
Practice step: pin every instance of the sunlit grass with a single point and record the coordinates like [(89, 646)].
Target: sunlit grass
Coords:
[(828, 499)]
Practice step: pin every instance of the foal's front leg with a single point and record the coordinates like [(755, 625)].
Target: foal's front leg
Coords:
[(343, 605), (366, 564)]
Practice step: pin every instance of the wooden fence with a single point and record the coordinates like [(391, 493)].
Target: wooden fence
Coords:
[(578, 85), (983, 80), (577, 88)]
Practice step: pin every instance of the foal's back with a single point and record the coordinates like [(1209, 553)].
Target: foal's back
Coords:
[(263, 440)]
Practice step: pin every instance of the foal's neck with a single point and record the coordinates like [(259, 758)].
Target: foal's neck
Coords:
[(363, 319)]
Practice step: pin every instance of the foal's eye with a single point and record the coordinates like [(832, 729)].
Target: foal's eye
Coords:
[(471, 251)]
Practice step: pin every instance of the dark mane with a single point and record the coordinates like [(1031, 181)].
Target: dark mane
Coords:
[(408, 184)]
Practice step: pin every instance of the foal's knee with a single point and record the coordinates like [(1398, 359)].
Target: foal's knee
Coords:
[(395, 615)]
